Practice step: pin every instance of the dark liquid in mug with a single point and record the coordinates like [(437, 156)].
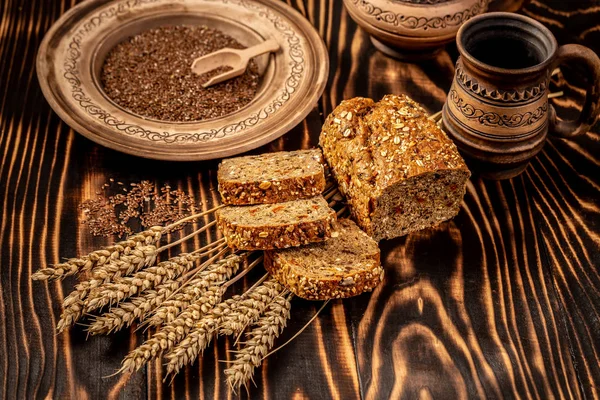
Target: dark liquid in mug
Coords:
[(505, 51)]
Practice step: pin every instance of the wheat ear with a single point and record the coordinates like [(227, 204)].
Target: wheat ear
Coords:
[(73, 308), (134, 308), (203, 332), (92, 294), (139, 306), (219, 272), (258, 342), (100, 257), (123, 288), (171, 333), (250, 308), (199, 337), (138, 258)]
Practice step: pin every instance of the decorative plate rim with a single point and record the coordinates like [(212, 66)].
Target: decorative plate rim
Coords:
[(176, 145)]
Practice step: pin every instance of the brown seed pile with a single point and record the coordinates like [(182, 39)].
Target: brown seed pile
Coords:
[(117, 206), (150, 74)]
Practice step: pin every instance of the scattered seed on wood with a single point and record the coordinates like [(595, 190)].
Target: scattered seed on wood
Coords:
[(139, 203)]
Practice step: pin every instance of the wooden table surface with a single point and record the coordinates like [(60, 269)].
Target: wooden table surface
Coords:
[(503, 301)]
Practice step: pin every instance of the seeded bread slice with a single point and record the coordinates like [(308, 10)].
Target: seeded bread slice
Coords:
[(277, 226), (346, 265), (271, 178)]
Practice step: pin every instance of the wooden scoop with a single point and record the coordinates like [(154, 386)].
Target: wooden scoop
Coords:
[(236, 59)]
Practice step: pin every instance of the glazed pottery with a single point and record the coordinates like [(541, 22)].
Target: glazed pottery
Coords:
[(412, 29), (497, 109)]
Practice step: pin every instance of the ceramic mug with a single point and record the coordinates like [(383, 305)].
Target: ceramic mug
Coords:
[(497, 109)]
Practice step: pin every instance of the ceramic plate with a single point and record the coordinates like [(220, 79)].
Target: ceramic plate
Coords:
[(71, 55)]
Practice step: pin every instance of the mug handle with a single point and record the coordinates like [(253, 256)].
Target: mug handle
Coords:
[(587, 118)]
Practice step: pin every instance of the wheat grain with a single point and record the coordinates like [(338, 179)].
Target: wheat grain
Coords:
[(258, 342), (93, 294), (250, 308), (134, 308), (214, 275), (173, 332), (74, 306), (123, 288), (201, 335), (138, 258), (100, 257), (137, 307)]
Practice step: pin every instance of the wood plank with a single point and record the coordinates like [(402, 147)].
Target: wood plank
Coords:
[(570, 22), (484, 322), (564, 185), (501, 302), (565, 202), (567, 214)]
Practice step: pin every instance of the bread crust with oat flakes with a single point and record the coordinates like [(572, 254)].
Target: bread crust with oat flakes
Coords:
[(346, 265), (276, 226), (398, 170), (271, 178)]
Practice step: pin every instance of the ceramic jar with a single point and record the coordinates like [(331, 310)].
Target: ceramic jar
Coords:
[(413, 29)]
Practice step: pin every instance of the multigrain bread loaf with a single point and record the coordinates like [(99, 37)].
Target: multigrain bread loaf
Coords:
[(398, 170), (346, 265), (276, 226), (271, 178)]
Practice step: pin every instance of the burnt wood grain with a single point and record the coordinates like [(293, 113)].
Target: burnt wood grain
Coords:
[(501, 302)]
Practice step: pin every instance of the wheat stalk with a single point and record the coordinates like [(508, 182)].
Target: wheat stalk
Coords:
[(201, 335), (171, 333), (123, 288), (116, 252), (301, 329), (215, 274), (259, 341), (192, 217), (100, 257)]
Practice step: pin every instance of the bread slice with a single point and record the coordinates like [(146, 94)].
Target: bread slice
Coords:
[(346, 265), (397, 168), (271, 178), (277, 226)]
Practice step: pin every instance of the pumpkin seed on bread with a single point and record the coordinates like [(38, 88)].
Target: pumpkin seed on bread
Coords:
[(277, 226), (271, 178), (346, 265)]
